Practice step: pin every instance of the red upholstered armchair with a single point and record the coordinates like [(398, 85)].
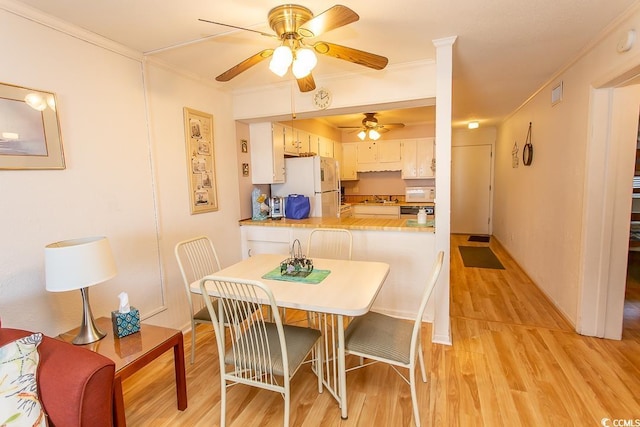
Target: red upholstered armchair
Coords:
[(75, 384)]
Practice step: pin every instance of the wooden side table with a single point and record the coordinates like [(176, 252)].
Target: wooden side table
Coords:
[(132, 353)]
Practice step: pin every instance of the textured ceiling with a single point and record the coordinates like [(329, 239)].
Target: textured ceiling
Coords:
[(506, 49)]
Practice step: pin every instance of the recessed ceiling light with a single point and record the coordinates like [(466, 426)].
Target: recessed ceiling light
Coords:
[(473, 125)]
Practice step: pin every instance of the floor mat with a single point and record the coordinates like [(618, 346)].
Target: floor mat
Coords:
[(480, 257), (479, 239)]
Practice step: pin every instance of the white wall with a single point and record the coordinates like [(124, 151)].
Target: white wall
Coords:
[(125, 177), (479, 136), (538, 210), (168, 94)]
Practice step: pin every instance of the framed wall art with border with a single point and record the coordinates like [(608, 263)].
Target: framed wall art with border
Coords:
[(201, 164), (29, 129)]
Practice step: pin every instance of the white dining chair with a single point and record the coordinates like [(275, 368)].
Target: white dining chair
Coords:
[(261, 352), (196, 258), (332, 243), (394, 341)]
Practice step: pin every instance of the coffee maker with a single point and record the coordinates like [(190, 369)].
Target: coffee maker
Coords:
[(276, 205)]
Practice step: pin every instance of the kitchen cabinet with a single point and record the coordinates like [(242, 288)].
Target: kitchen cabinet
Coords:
[(325, 146), (379, 156), (303, 139), (367, 153), (349, 164), (289, 137), (267, 153), (418, 160), (376, 211)]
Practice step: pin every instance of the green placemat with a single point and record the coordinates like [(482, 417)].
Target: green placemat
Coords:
[(315, 277), (414, 223)]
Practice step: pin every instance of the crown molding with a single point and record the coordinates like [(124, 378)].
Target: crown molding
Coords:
[(41, 18)]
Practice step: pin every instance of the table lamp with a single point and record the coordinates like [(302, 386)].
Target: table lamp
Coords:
[(78, 264)]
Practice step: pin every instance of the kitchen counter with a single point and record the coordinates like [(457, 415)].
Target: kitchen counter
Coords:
[(393, 203), (372, 224)]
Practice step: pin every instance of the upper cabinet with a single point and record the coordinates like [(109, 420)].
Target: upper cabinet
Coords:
[(267, 153), (418, 161), (290, 138), (296, 142), (379, 156), (324, 146), (303, 140), (349, 161)]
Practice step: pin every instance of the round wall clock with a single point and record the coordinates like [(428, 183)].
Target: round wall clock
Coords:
[(322, 98)]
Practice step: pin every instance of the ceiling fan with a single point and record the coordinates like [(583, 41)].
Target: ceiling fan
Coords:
[(371, 128), (293, 25)]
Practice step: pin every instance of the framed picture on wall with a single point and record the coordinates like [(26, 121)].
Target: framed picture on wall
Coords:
[(29, 129), (201, 165)]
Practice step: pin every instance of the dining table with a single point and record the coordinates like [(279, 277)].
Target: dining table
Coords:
[(347, 288)]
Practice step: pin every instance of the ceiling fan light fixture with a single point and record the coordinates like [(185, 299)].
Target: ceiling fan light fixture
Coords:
[(280, 60), (299, 70), (374, 134), (362, 135)]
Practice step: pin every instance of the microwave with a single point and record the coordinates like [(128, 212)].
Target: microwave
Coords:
[(420, 194)]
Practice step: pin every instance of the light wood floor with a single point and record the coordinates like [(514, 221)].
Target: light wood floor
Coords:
[(515, 362)]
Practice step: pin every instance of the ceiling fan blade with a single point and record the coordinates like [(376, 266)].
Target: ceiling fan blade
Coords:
[(392, 126), (244, 65), (356, 56), (306, 84), (239, 28), (330, 19)]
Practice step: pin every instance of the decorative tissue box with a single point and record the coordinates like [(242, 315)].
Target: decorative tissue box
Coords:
[(125, 323)]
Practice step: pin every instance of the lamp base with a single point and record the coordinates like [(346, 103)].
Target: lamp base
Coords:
[(88, 332)]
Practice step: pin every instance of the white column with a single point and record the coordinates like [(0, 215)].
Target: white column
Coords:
[(444, 67)]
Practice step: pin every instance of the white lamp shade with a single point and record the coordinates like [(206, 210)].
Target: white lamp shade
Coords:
[(374, 134), (362, 135), (79, 263), (280, 60), (305, 62)]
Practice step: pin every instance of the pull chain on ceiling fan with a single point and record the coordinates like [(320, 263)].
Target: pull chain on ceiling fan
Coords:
[(371, 128), (293, 24)]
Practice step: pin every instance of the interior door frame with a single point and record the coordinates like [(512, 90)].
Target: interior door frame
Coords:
[(491, 180), (606, 210)]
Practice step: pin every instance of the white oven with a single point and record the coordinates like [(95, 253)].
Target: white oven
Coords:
[(420, 194)]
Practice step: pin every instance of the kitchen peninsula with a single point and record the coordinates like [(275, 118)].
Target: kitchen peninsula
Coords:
[(372, 224), (409, 249)]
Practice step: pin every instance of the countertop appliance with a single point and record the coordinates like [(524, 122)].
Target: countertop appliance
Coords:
[(420, 194), (316, 177), (276, 207)]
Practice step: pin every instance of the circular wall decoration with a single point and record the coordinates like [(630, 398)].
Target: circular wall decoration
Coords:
[(527, 150), (527, 154), (322, 98)]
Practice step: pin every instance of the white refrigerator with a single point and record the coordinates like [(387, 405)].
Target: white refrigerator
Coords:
[(316, 177)]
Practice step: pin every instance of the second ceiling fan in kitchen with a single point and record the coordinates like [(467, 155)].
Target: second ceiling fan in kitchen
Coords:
[(371, 128), (293, 25)]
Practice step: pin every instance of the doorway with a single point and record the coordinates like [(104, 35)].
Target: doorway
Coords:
[(607, 207), (471, 189)]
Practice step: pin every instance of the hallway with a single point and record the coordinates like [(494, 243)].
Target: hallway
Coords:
[(516, 361)]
